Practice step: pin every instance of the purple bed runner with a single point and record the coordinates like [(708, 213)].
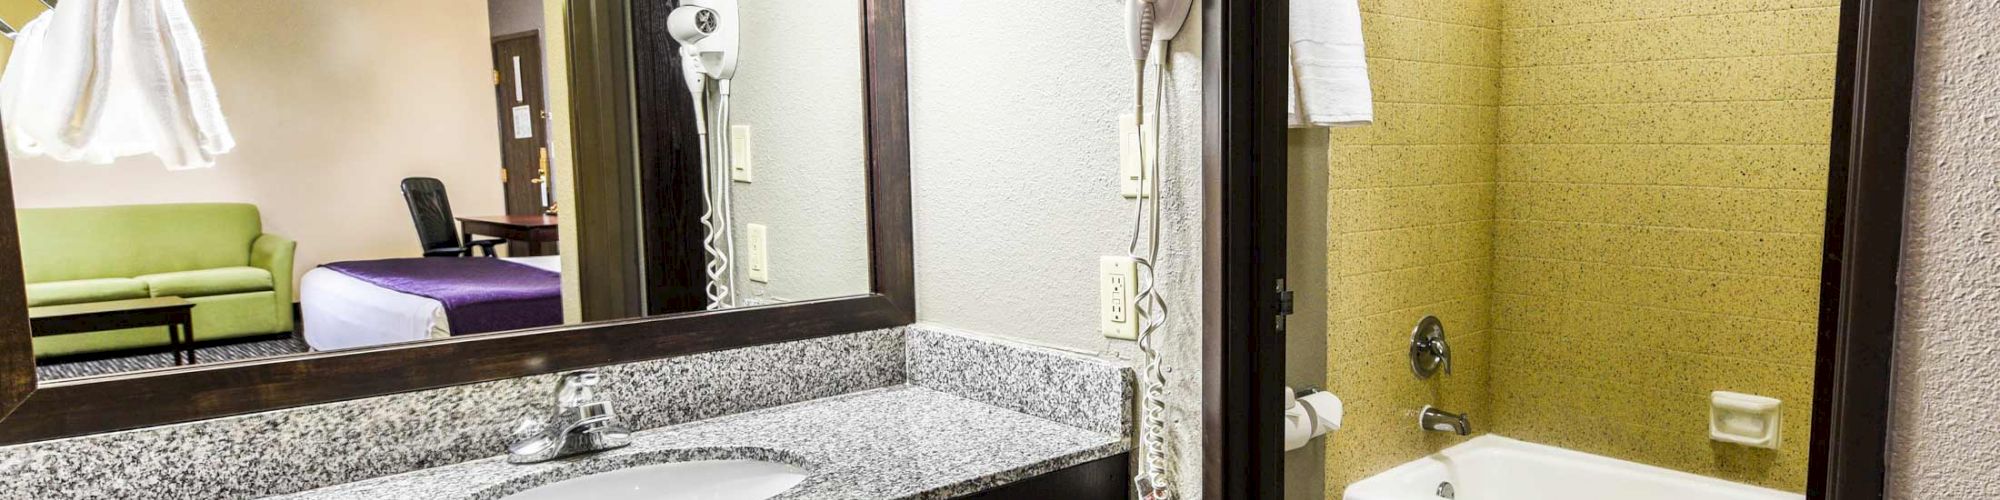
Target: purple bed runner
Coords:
[(479, 294)]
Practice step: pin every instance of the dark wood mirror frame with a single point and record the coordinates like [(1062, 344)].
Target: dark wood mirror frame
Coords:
[(601, 76)]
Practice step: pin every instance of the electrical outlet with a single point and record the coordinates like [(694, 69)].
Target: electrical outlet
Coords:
[(1131, 168), (1118, 282), (740, 162), (760, 261)]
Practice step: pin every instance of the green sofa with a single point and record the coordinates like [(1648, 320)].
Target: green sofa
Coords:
[(215, 255)]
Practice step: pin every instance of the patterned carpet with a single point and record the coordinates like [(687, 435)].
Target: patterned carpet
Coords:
[(217, 354)]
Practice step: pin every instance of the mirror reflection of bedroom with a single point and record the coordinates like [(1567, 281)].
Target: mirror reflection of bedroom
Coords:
[(280, 178)]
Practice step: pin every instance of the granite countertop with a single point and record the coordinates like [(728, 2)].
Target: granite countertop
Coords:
[(898, 442)]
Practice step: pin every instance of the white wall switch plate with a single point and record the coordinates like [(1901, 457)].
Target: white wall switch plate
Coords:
[(740, 163), (760, 254), (1118, 282), (1131, 172)]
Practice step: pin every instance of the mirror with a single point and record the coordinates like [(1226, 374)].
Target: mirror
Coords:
[(379, 173)]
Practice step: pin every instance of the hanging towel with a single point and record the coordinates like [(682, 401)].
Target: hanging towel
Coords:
[(23, 69), (1329, 67), (104, 79)]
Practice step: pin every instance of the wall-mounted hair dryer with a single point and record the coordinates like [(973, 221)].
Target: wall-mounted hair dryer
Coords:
[(1149, 21), (1150, 25)]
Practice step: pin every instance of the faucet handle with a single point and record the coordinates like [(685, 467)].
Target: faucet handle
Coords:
[(1428, 349), (528, 427), (577, 388)]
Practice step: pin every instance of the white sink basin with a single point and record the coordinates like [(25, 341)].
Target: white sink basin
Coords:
[(703, 480)]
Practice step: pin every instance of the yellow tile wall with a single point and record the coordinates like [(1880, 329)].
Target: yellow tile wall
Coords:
[(1410, 223), (1660, 191), (1614, 206)]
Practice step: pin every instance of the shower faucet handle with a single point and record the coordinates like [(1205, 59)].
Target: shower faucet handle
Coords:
[(1428, 349)]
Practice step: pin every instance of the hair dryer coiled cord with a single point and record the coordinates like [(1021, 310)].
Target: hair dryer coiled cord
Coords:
[(1155, 479)]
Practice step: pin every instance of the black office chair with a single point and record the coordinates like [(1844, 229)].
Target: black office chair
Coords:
[(436, 229)]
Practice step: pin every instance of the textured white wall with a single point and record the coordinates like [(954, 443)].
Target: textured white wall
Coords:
[(1013, 114), (798, 86), (1944, 442)]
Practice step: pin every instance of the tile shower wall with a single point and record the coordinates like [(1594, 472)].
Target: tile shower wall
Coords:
[(1628, 192), (1661, 188), (1410, 223)]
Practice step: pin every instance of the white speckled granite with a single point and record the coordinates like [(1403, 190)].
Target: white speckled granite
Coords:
[(298, 449), (1067, 388), (904, 442), (977, 413)]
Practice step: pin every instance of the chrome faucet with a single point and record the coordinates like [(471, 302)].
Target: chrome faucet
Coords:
[(580, 423), (1435, 420)]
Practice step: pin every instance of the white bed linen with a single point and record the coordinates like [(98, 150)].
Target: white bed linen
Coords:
[(341, 312)]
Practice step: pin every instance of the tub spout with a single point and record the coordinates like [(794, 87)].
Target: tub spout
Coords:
[(1435, 420)]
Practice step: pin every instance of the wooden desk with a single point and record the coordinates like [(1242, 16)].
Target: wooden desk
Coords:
[(536, 234), (172, 312)]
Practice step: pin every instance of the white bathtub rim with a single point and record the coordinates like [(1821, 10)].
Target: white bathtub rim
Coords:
[(1387, 479)]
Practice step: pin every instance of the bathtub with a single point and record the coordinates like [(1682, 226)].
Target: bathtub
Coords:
[(1497, 468)]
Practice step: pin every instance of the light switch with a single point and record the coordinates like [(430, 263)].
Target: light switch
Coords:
[(740, 162), (760, 262)]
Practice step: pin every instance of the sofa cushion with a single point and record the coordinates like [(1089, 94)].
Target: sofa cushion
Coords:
[(62, 244), (57, 293), (206, 282)]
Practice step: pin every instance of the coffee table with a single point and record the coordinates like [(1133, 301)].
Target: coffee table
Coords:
[(174, 313)]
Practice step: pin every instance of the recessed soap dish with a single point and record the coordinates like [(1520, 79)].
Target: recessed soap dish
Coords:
[(1745, 419)]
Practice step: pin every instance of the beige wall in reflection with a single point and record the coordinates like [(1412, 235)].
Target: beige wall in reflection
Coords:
[(555, 64), (332, 104)]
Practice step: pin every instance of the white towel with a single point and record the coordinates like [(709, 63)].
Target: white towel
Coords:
[(1329, 70), (102, 79)]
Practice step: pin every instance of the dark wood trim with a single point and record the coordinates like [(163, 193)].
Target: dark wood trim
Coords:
[(610, 268), (1106, 478), (130, 400), (1243, 249), (1863, 251), (889, 225), (17, 347), (669, 172)]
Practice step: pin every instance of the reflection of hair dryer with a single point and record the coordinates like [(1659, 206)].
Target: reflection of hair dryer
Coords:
[(706, 30), (697, 84), (709, 26)]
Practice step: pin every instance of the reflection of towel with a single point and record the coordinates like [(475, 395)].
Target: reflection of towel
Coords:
[(101, 79), (1329, 70)]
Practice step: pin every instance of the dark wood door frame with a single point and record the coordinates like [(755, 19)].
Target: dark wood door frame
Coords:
[(1863, 251), (1244, 171), (1243, 250), (601, 96)]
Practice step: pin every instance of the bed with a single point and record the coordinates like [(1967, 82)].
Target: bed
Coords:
[(342, 311)]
